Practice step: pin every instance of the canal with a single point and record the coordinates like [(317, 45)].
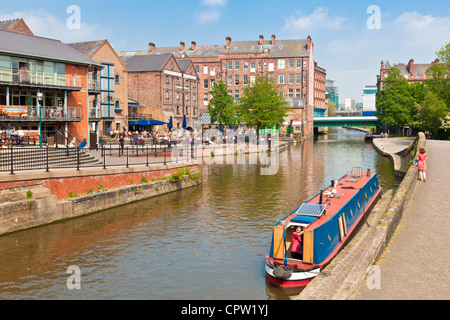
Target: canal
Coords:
[(206, 242)]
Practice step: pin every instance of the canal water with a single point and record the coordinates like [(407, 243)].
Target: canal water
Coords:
[(205, 242)]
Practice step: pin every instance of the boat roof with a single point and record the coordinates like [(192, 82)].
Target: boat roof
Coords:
[(311, 212)]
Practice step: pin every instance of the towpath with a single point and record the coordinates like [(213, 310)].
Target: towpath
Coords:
[(415, 265)]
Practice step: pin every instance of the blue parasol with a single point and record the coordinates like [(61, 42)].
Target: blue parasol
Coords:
[(184, 122), (170, 124)]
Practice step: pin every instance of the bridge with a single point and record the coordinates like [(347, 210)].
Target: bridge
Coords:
[(361, 121)]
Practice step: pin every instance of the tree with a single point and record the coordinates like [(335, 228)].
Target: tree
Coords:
[(396, 103), (431, 113), (261, 105), (221, 107), (331, 108)]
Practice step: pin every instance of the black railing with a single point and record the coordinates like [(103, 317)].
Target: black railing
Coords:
[(20, 159)]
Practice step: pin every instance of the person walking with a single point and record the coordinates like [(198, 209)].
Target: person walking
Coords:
[(422, 164), (121, 144)]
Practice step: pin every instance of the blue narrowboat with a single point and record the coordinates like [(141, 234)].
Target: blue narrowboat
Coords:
[(320, 228)]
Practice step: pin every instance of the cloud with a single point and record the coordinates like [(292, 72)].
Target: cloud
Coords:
[(45, 24), (214, 3), (208, 16), (319, 19)]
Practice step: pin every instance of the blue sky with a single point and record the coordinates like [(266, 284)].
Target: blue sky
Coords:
[(345, 46)]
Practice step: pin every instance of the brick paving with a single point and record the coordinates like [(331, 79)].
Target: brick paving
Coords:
[(415, 265)]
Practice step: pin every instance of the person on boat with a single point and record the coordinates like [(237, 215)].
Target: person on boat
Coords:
[(421, 164), (296, 251)]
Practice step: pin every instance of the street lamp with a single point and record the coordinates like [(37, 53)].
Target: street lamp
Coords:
[(39, 98)]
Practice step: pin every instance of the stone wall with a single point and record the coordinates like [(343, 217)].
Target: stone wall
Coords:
[(31, 206)]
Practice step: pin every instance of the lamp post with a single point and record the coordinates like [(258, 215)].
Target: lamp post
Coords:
[(39, 99)]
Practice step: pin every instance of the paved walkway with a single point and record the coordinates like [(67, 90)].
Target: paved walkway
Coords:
[(415, 265)]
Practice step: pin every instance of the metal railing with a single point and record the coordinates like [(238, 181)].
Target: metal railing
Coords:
[(29, 77), (15, 159)]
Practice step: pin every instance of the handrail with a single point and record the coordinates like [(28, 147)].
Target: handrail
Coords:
[(66, 140)]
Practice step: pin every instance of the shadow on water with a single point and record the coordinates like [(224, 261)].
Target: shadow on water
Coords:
[(205, 242)]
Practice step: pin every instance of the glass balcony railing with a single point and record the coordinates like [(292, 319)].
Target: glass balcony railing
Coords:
[(39, 78), (47, 113)]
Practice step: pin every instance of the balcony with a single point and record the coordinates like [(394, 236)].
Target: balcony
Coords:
[(30, 113), (40, 79), (140, 116), (95, 115), (94, 86)]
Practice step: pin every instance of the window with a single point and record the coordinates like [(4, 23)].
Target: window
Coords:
[(291, 93), (291, 64), (178, 96), (245, 79), (205, 84), (205, 69), (299, 64), (167, 94), (117, 104), (236, 94), (252, 67), (116, 79), (304, 79), (297, 93), (230, 80), (281, 63), (236, 79), (281, 79), (167, 80), (298, 79), (271, 67), (230, 65), (245, 65), (197, 69), (236, 65), (291, 79)]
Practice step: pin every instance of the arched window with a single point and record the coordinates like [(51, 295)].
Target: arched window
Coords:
[(116, 79), (117, 105)]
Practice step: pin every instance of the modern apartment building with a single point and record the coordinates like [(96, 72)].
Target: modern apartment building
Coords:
[(289, 62), (110, 105), (32, 67)]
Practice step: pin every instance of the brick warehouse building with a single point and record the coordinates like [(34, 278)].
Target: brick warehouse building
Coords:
[(161, 81), (31, 66), (290, 63)]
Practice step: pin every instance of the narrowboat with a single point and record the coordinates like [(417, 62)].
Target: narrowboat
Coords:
[(368, 136), (329, 220)]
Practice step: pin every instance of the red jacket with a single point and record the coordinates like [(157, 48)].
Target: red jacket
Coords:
[(296, 242)]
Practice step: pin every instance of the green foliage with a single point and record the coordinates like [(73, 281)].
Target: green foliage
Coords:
[(395, 104), (89, 191), (101, 187), (430, 114), (71, 195), (29, 194), (261, 105), (221, 107), (144, 180)]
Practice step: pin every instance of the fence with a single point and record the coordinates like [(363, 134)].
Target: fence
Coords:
[(30, 158)]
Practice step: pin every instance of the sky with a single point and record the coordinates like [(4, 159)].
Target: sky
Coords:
[(350, 38)]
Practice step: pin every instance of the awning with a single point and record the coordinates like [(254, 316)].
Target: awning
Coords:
[(152, 122)]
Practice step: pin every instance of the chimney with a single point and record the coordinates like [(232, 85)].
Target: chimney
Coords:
[(151, 47), (309, 43), (181, 46), (273, 39), (382, 64), (261, 40), (411, 66), (228, 42), (193, 45)]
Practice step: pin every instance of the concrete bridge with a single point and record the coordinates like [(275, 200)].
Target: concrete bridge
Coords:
[(352, 121)]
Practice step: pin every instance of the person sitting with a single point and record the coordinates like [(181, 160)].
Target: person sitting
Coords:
[(73, 143), (83, 145)]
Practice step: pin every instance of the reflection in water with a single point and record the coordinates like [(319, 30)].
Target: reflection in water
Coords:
[(206, 242)]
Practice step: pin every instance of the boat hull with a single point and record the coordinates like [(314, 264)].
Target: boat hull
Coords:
[(296, 280)]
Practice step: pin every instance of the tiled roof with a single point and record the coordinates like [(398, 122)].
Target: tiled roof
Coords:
[(140, 63), (39, 47), (419, 69), (7, 25), (87, 47), (281, 49)]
